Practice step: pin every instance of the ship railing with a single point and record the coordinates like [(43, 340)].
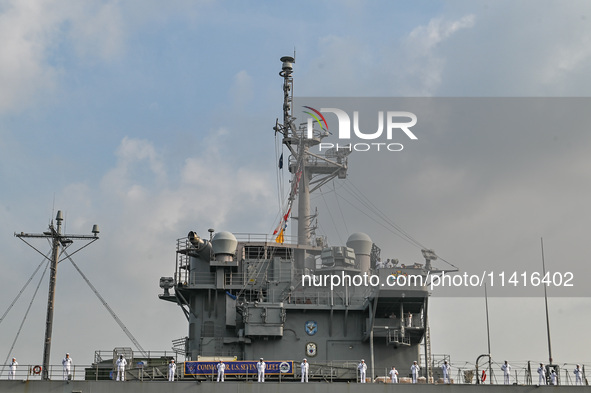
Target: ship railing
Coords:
[(461, 372), (264, 238)]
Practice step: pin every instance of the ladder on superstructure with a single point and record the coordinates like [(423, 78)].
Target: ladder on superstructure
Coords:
[(428, 357)]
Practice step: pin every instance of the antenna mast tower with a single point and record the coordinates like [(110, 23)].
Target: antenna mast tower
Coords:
[(58, 241), (310, 170)]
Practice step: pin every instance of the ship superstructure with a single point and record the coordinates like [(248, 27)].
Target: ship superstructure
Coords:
[(248, 296)]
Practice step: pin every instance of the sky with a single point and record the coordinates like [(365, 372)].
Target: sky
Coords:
[(152, 120)]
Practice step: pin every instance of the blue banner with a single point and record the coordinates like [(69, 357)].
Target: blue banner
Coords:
[(240, 367)]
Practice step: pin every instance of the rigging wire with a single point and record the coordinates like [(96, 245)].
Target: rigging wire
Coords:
[(109, 309), (339, 206), (24, 318), (23, 288), (331, 216), (389, 225)]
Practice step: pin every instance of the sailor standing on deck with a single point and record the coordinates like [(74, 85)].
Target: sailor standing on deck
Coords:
[(261, 370), (542, 375), (221, 370), (12, 372), (414, 370), (171, 370), (445, 369), (121, 363), (506, 372), (305, 366), (394, 375), (577, 372), (362, 367), (553, 378), (67, 363)]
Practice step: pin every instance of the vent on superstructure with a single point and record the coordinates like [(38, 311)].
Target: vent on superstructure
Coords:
[(208, 329)]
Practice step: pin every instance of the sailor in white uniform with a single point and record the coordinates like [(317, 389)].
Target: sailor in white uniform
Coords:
[(553, 378), (578, 372), (67, 363), (445, 370), (171, 370), (506, 372), (362, 367), (414, 370), (221, 371), (121, 363), (12, 371), (393, 375), (305, 366), (542, 375), (261, 370)]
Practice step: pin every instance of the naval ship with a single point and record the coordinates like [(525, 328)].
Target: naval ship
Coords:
[(276, 297)]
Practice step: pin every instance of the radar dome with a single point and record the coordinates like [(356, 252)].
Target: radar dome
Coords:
[(361, 243), (224, 243)]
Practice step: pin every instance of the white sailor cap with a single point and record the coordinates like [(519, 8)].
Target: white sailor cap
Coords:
[(261, 358), (362, 360)]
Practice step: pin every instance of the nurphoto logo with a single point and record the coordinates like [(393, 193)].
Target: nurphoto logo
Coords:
[(397, 123)]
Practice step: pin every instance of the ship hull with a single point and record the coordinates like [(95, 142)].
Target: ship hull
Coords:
[(272, 387)]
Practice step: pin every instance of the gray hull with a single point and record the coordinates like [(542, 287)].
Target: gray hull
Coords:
[(273, 387)]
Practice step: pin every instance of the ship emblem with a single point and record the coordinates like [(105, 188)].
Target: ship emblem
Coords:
[(311, 349), (311, 328)]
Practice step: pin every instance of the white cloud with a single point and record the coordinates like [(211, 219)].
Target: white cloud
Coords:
[(424, 64), (32, 31), (26, 30), (242, 91)]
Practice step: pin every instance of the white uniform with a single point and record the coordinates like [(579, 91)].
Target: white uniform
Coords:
[(305, 366), (221, 371), (12, 372), (67, 363), (362, 367), (121, 363), (506, 373), (394, 375), (171, 370), (578, 379), (414, 370), (445, 370), (553, 379), (261, 370), (542, 375)]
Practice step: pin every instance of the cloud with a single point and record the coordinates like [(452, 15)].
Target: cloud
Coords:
[(242, 91), (425, 64), (33, 34)]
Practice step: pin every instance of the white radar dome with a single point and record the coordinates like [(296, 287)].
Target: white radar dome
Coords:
[(361, 243), (224, 243)]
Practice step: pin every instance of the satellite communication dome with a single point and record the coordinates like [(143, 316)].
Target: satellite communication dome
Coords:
[(224, 243), (361, 243)]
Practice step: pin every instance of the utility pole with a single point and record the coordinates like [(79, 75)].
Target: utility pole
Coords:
[(58, 241)]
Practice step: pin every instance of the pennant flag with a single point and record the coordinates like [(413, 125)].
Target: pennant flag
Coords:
[(279, 238), (281, 161)]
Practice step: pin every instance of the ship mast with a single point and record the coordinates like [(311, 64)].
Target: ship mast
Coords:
[(58, 241), (308, 169)]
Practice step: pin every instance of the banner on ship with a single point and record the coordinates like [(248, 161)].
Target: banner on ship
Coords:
[(273, 367)]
